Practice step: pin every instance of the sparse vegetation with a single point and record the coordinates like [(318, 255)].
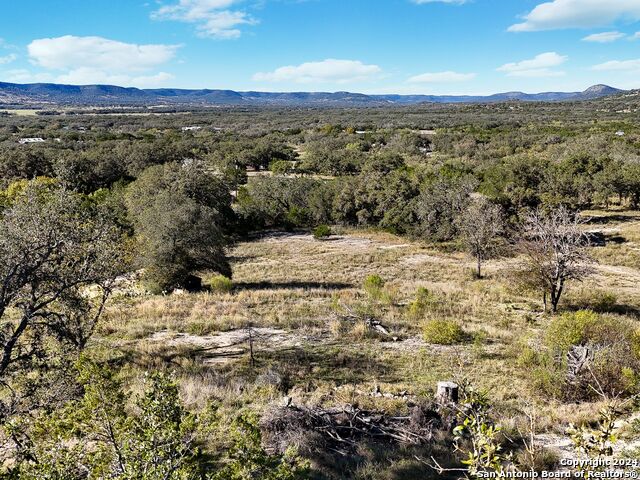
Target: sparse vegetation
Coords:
[(133, 210)]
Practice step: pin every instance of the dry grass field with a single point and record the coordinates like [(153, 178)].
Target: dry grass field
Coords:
[(303, 304)]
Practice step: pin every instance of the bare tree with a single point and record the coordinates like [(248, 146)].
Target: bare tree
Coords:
[(481, 226), (556, 250)]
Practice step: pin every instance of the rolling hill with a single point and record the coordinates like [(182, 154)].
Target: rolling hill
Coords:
[(48, 94)]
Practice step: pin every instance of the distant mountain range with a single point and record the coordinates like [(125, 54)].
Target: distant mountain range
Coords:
[(49, 94)]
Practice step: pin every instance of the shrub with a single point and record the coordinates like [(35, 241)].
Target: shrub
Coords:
[(220, 284), (587, 327), (373, 285), (280, 166), (613, 355), (443, 332), (635, 343), (570, 329), (424, 299), (159, 441), (248, 459), (600, 301), (547, 379), (321, 231), (527, 357)]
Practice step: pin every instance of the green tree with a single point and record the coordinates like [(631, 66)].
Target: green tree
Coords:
[(247, 459), (54, 245), (181, 214), (440, 203), (98, 436)]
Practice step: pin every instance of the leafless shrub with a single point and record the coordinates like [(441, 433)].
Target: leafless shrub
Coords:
[(556, 251)]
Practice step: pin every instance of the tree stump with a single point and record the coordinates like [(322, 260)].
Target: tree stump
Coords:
[(447, 393)]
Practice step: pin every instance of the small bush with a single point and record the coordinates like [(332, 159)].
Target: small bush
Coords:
[(424, 299), (527, 357), (373, 285), (635, 343), (321, 232), (279, 166), (613, 356), (570, 329), (220, 284), (587, 327), (443, 332), (548, 380)]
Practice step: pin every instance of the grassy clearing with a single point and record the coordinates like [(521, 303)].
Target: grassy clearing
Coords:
[(23, 112), (303, 287)]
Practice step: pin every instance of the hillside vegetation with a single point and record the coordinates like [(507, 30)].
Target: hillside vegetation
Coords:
[(277, 294)]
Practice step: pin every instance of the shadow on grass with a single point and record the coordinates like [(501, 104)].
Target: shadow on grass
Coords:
[(615, 239), (389, 461), (617, 308), (293, 285), (605, 219), (239, 259), (329, 364)]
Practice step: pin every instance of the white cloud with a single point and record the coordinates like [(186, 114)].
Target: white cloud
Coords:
[(604, 37), (558, 14), (90, 60), (635, 36), (330, 70), (8, 58), (618, 65), (442, 77), (70, 52), (537, 67), (212, 17)]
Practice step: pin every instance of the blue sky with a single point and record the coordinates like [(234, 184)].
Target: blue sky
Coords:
[(369, 46)]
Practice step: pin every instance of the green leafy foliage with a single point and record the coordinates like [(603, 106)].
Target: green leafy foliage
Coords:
[(610, 365), (109, 433), (571, 329), (443, 332), (597, 442), (321, 232), (476, 437), (181, 214), (424, 300), (247, 459), (96, 436), (220, 284), (374, 285)]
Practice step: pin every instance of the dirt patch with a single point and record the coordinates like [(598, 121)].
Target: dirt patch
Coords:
[(564, 447), (424, 258), (336, 241), (223, 347), (619, 277), (393, 247), (561, 445)]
